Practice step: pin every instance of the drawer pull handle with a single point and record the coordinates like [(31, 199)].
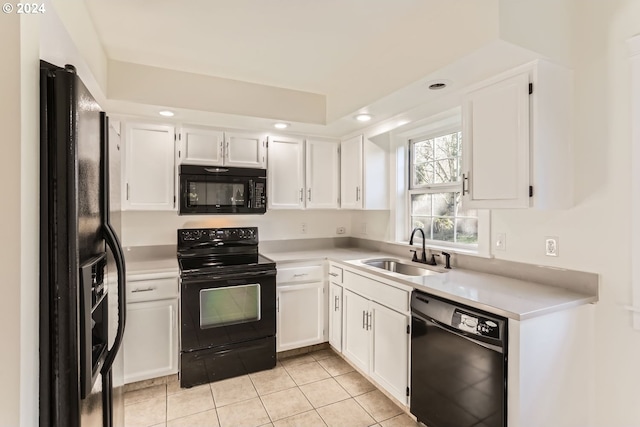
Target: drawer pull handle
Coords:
[(334, 274), (301, 275), (143, 290)]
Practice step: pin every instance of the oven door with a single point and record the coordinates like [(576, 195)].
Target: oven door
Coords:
[(227, 309)]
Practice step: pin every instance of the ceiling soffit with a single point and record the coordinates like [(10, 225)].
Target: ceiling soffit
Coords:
[(336, 56)]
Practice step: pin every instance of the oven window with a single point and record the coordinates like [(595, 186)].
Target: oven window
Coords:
[(202, 193), (229, 305)]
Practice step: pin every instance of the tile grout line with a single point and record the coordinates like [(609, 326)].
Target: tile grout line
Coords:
[(215, 405)]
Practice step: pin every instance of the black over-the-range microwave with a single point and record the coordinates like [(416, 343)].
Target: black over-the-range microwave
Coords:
[(222, 190)]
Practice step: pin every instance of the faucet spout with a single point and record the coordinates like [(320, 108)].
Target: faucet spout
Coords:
[(423, 258)]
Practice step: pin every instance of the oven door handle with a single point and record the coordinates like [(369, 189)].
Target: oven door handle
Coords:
[(456, 332), (231, 276)]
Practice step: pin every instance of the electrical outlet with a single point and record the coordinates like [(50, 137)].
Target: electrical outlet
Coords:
[(551, 245), (340, 230), (501, 242), (303, 228), (363, 228)]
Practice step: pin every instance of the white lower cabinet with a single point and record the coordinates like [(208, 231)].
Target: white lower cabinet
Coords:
[(150, 342), (335, 316), (301, 307), (357, 339), (390, 350), (300, 315), (376, 338)]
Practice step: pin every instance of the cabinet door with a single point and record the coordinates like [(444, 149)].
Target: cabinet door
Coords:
[(322, 175), (496, 145), (245, 150), (390, 355), (300, 315), (351, 173), (286, 178), (335, 316), (150, 341), (355, 335), (149, 167), (201, 147)]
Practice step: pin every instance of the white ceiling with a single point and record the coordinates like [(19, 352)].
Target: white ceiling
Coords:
[(355, 52)]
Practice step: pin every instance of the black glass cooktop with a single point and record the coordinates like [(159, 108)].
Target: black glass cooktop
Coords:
[(217, 263)]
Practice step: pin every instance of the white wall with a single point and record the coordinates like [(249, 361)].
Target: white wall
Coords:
[(594, 235), (159, 228), (19, 223)]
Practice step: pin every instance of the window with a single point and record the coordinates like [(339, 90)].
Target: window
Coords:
[(435, 190)]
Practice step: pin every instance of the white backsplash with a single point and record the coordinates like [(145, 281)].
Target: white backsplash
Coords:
[(147, 228)]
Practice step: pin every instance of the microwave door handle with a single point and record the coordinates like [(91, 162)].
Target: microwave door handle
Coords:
[(251, 194)]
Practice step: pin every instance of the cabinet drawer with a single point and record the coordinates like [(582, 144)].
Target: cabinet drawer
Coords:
[(299, 274), (382, 293), (335, 274), (151, 290)]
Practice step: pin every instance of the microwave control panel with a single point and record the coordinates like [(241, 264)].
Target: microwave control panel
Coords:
[(260, 198)]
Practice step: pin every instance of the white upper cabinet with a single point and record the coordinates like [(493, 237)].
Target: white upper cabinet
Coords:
[(364, 174), (200, 146), (351, 173), (322, 174), (517, 144), (149, 169), (286, 176), (303, 174), (245, 150)]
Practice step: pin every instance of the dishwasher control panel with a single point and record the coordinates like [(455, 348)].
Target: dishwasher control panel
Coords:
[(475, 324)]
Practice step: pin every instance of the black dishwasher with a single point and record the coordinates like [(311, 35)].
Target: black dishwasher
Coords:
[(458, 364)]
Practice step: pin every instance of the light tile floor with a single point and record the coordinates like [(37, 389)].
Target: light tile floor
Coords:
[(314, 389)]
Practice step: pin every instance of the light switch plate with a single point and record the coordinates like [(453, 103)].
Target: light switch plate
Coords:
[(501, 242)]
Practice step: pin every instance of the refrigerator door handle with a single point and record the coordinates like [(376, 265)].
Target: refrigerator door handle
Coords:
[(112, 241)]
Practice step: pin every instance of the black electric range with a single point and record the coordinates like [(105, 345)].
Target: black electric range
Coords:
[(227, 304)]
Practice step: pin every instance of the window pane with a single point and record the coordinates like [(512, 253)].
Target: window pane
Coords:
[(436, 160), (442, 219), (421, 204), (444, 204), (467, 230), (443, 229), (447, 146), (424, 223), (446, 170), (423, 151), (423, 173)]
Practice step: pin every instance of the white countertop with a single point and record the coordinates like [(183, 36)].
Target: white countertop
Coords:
[(512, 298), (162, 267)]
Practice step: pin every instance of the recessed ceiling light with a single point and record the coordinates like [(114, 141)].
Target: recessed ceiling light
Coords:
[(281, 125), (364, 117), (166, 113), (437, 84)]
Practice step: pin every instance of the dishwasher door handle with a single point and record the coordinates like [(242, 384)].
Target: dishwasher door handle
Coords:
[(454, 331)]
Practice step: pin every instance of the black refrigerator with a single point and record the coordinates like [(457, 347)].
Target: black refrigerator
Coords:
[(82, 268)]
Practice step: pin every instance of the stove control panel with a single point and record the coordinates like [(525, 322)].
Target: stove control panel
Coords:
[(206, 235)]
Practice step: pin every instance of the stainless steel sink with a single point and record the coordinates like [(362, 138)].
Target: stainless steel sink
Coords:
[(401, 267)]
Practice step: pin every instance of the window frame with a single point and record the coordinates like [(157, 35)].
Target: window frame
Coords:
[(480, 248)]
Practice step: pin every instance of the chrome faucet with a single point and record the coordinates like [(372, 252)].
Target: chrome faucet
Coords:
[(423, 258)]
